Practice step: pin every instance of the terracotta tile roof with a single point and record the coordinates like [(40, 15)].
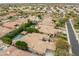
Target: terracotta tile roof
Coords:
[(34, 42), (13, 51), (12, 25), (4, 31), (47, 29)]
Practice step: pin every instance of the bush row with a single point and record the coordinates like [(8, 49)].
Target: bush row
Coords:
[(24, 27)]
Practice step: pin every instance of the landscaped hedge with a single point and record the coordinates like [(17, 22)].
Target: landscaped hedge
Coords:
[(21, 45), (7, 40), (31, 29), (24, 27)]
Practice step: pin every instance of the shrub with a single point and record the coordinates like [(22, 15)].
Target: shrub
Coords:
[(76, 25), (39, 16), (62, 44), (61, 52), (60, 23), (7, 40), (13, 33), (21, 45), (24, 27), (30, 23), (30, 30), (10, 17), (62, 36), (62, 48)]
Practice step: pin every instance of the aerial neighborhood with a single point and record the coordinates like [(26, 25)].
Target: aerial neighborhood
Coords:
[(39, 29)]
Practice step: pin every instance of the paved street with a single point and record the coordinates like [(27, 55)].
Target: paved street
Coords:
[(73, 41)]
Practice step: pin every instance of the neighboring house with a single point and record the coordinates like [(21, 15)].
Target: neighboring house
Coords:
[(13, 51)]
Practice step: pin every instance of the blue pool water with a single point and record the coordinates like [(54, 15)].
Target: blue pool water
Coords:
[(18, 36)]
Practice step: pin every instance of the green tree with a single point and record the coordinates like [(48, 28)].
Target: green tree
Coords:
[(30, 30)]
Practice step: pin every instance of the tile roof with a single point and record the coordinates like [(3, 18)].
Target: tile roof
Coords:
[(34, 42), (13, 51)]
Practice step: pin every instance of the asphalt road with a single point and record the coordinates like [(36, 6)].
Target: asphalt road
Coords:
[(73, 41)]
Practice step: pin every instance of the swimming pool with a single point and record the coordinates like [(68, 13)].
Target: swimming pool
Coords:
[(18, 37)]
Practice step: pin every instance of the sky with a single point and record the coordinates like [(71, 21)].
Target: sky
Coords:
[(39, 1)]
